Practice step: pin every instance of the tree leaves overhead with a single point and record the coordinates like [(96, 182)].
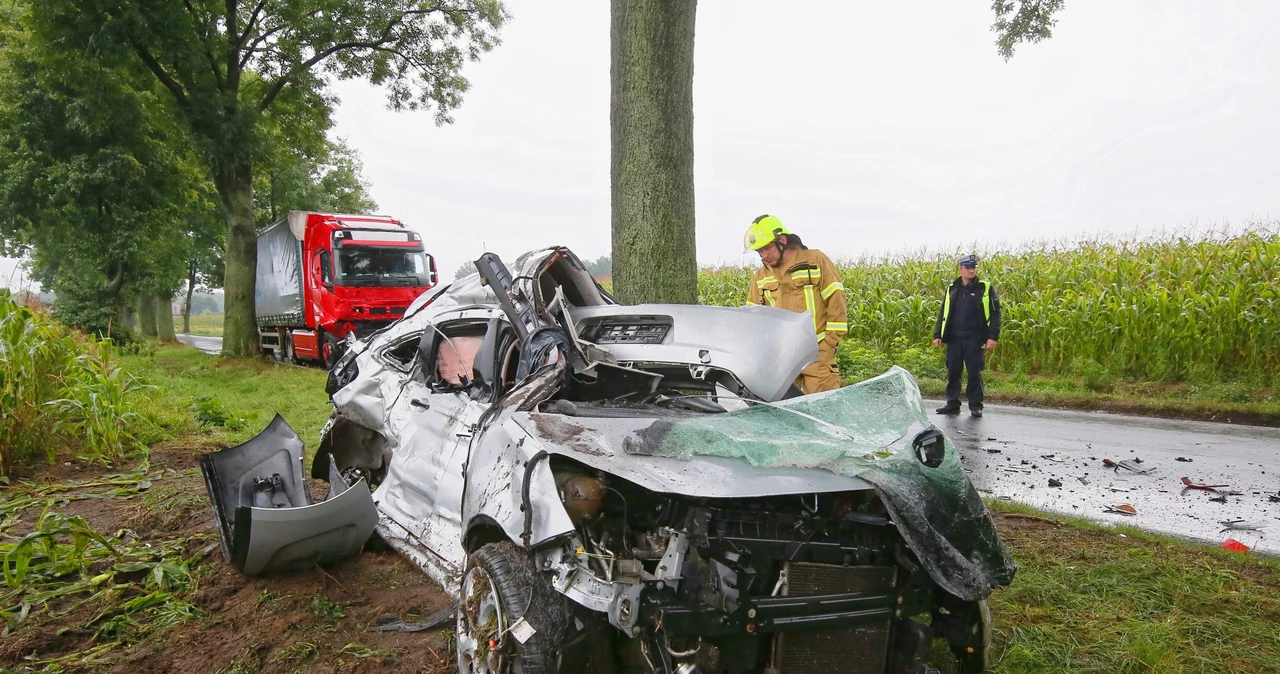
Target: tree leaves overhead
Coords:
[(1023, 21), (225, 63)]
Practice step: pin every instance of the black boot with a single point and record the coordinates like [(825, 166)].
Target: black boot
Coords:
[(975, 411), (952, 407)]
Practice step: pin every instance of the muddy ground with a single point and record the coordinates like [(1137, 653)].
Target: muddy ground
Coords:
[(314, 621)]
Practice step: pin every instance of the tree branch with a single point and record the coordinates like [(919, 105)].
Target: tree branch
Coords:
[(252, 24), (213, 63), (305, 66), (169, 83), (253, 47)]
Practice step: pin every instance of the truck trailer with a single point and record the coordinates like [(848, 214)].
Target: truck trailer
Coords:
[(322, 276)]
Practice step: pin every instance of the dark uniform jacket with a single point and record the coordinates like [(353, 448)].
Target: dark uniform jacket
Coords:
[(969, 311)]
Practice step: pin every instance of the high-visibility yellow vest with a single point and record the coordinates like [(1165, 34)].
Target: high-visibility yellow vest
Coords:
[(986, 306)]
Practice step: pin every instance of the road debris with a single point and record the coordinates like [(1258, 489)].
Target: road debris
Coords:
[(1220, 498), (1210, 487), (1055, 483), (1183, 459), (1083, 480), (388, 623), (1239, 525), (1232, 545), (1122, 509)]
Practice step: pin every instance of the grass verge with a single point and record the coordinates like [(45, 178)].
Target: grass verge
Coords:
[(1205, 402), (1089, 598), (230, 399)]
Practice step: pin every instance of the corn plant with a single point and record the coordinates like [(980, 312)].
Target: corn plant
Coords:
[(60, 389), (1166, 308)]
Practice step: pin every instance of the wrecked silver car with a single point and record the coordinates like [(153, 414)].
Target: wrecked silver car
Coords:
[(641, 488)]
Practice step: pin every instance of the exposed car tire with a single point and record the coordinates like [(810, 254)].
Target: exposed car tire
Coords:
[(499, 588)]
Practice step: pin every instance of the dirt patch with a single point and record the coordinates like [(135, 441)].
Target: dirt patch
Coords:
[(313, 621)]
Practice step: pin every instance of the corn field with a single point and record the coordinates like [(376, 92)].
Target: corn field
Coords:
[(1204, 308), (60, 389)]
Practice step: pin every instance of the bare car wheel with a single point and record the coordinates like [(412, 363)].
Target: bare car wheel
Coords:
[(500, 589), (330, 350)]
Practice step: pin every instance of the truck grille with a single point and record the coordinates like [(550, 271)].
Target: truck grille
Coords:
[(861, 650)]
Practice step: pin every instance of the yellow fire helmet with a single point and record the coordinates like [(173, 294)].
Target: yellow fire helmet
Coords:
[(763, 231)]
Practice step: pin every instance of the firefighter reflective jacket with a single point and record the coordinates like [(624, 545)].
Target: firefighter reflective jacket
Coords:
[(810, 284)]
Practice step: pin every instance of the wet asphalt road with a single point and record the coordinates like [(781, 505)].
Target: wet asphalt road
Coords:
[(1011, 453), (211, 345)]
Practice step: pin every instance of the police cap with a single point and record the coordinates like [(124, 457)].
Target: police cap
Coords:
[(968, 261)]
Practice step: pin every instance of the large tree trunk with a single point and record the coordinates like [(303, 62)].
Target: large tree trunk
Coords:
[(651, 116), (164, 318), (125, 320), (191, 288), (239, 329), (147, 314)]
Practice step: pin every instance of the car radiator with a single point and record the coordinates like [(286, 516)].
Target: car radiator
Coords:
[(861, 650)]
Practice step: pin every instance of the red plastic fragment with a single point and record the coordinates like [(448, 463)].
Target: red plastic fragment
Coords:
[(1232, 545), (1192, 485)]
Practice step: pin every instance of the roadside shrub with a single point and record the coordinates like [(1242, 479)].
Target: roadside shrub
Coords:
[(859, 361), (1096, 377), (209, 411), (60, 389)]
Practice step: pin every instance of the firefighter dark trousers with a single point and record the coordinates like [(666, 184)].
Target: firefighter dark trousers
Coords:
[(965, 353)]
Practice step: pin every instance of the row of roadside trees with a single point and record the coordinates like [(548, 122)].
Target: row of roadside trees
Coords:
[(143, 141)]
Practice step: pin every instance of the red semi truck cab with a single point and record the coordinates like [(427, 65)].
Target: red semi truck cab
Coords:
[(321, 276)]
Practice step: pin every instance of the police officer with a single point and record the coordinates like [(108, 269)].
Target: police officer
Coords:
[(800, 279), (969, 324)]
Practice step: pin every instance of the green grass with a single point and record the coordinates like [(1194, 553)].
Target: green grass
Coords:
[(1086, 599), (209, 325), (246, 392)]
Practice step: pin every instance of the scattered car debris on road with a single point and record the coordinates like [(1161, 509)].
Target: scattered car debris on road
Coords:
[(1055, 482), (1183, 459), (1239, 525), (1192, 485), (1232, 545), (1122, 509)]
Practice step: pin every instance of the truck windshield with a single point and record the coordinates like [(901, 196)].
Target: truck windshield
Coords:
[(373, 265)]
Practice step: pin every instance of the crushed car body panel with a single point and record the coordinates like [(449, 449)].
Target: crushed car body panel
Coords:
[(267, 519), (657, 470)]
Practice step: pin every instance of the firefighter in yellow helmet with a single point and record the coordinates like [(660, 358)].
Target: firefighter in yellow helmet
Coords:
[(800, 279)]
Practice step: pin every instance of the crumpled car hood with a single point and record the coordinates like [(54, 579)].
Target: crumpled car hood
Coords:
[(764, 347)]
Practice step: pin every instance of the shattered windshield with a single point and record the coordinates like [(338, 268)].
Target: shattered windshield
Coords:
[(374, 265), (866, 430)]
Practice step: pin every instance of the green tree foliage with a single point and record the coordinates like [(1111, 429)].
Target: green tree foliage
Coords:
[(1023, 21), (96, 175), (325, 178), (228, 64)]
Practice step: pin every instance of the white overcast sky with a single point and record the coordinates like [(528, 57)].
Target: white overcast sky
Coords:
[(868, 127)]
